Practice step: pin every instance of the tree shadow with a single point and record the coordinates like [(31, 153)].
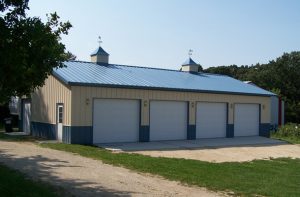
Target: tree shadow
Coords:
[(41, 168)]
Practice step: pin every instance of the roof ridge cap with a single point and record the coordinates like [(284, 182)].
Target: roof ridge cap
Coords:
[(154, 68)]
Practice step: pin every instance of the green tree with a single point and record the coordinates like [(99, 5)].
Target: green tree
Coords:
[(283, 74), (29, 48), (224, 70), (70, 56)]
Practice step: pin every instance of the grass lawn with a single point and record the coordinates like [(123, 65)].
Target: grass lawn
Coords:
[(277, 177), (14, 183), (292, 140), (27, 138)]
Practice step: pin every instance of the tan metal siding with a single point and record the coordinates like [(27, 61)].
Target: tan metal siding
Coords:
[(82, 112), (44, 100)]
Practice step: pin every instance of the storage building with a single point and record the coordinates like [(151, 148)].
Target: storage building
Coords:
[(98, 102)]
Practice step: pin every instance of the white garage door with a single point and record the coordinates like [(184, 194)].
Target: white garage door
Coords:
[(246, 119), (211, 119), (168, 120), (115, 120)]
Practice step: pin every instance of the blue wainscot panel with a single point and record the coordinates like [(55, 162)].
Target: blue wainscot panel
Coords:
[(78, 134), (43, 130), (191, 132), (230, 131), (144, 135), (264, 129)]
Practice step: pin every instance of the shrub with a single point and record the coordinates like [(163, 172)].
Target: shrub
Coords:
[(288, 130)]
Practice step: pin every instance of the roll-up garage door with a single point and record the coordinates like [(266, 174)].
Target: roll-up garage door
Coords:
[(246, 119), (168, 120), (116, 120), (211, 120)]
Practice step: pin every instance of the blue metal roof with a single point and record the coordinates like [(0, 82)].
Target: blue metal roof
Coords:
[(189, 62), (92, 74), (99, 51)]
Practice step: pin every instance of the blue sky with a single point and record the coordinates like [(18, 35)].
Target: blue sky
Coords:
[(159, 33)]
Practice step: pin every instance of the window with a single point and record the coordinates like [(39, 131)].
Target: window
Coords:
[(60, 114)]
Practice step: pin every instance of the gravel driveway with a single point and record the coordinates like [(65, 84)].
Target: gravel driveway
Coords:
[(87, 177), (229, 154)]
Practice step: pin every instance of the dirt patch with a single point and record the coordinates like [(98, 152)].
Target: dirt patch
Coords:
[(229, 154)]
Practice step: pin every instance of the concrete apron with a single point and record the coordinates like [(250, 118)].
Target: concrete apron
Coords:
[(193, 144)]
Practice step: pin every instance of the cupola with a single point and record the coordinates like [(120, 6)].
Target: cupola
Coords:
[(100, 56), (190, 65)]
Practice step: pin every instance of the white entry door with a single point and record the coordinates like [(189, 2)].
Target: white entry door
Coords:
[(246, 119), (168, 120), (116, 120), (211, 119), (26, 116), (59, 121)]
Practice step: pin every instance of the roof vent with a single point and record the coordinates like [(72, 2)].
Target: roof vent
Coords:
[(100, 56)]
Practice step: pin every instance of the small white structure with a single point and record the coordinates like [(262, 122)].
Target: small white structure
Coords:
[(21, 107), (15, 105)]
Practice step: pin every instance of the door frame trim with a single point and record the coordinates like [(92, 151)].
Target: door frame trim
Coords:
[(56, 120)]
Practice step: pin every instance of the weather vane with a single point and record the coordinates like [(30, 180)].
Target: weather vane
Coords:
[(99, 41), (190, 52)]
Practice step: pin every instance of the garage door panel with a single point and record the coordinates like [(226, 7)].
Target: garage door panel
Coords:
[(211, 119), (246, 120), (115, 120), (168, 120)]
